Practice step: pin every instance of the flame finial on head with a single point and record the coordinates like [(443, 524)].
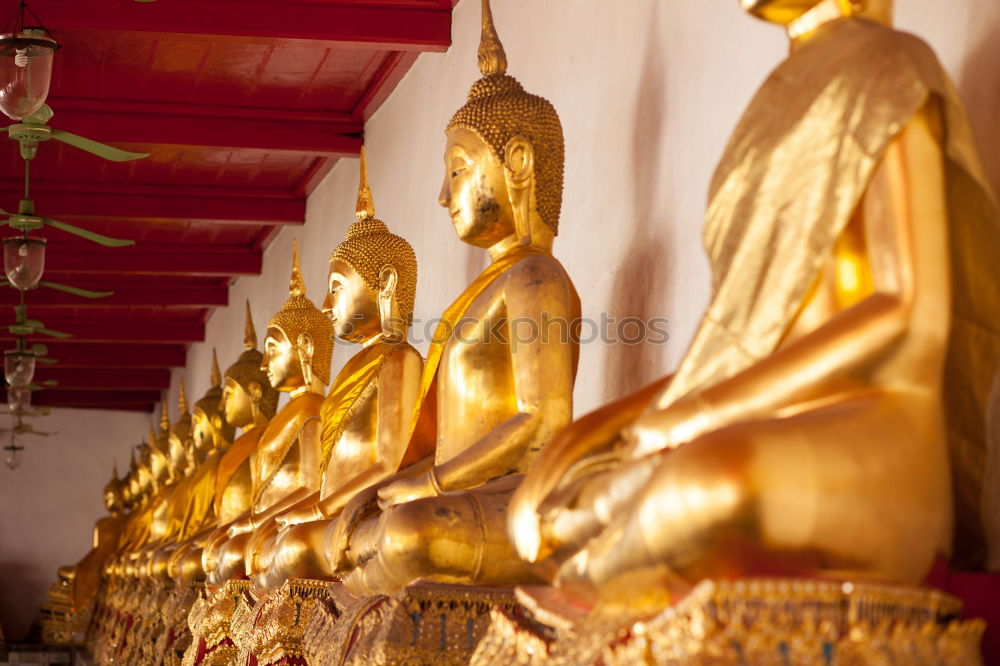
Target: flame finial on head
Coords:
[(216, 377), (182, 399), (365, 209), (164, 414), (297, 286), (114, 470), (492, 58), (249, 332), (152, 432)]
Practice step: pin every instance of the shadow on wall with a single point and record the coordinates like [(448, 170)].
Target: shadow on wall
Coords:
[(979, 87), (639, 284), (19, 608)]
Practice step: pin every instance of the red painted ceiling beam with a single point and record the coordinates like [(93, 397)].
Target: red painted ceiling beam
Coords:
[(65, 260), (160, 127), (124, 296), (111, 330), (106, 378), (89, 399), (151, 202), (71, 354), (390, 28)]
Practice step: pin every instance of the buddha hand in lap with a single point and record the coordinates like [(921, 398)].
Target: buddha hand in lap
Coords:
[(489, 403), (367, 414), (806, 430)]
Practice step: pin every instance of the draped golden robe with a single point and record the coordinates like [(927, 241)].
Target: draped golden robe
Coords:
[(234, 483), (844, 95)]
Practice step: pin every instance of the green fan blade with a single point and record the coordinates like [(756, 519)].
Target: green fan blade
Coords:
[(89, 235), (96, 147), (47, 361), (49, 382), (38, 349), (53, 334), (77, 291)]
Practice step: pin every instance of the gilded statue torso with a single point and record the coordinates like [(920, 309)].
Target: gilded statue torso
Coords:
[(278, 458), (234, 489), (475, 382)]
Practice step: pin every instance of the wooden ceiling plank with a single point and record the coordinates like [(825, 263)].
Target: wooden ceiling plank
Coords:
[(395, 28), (108, 330), (319, 138), (146, 202), (200, 297), (143, 259), (71, 354), (106, 378)]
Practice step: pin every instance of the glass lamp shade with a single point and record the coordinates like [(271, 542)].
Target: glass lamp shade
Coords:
[(13, 457), (25, 71), (19, 400), (18, 368), (24, 261)]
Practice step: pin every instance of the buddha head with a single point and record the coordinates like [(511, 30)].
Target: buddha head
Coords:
[(373, 277), (503, 157), (786, 12), (247, 395), (209, 428), (113, 492), (181, 444), (299, 343)]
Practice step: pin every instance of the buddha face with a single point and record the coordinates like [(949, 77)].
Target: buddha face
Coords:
[(475, 190), (351, 304), (281, 361), (237, 405), (111, 499)]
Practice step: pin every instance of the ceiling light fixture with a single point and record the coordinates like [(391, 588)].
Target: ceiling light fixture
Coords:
[(26, 53)]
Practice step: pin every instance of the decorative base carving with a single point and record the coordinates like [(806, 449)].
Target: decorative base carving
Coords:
[(61, 623), (211, 625), (427, 623), (174, 636), (759, 621)]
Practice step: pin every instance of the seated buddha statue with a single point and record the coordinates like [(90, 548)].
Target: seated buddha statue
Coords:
[(491, 395), (807, 430), (168, 519), (85, 575), (297, 354), (248, 401), (366, 415), (211, 437), (155, 474)]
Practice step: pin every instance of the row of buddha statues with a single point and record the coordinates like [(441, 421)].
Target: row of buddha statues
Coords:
[(825, 424)]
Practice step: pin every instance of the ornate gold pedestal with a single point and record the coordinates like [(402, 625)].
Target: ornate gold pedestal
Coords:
[(426, 623), (211, 625), (173, 637), (62, 624), (766, 621), (274, 636)]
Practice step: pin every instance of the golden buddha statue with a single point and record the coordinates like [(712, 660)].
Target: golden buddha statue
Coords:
[(168, 518), (489, 402), (85, 576), (154, 477), (248, 401), (297, 354), (807, 430), (366, 416)]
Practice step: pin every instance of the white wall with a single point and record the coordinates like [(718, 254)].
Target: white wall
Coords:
[(49, 504)]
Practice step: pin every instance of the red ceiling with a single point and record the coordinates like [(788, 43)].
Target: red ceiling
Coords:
[(243, 105)]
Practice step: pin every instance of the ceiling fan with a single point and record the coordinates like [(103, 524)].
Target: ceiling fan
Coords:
[(22, 428), (23, 326), (35, 129)]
